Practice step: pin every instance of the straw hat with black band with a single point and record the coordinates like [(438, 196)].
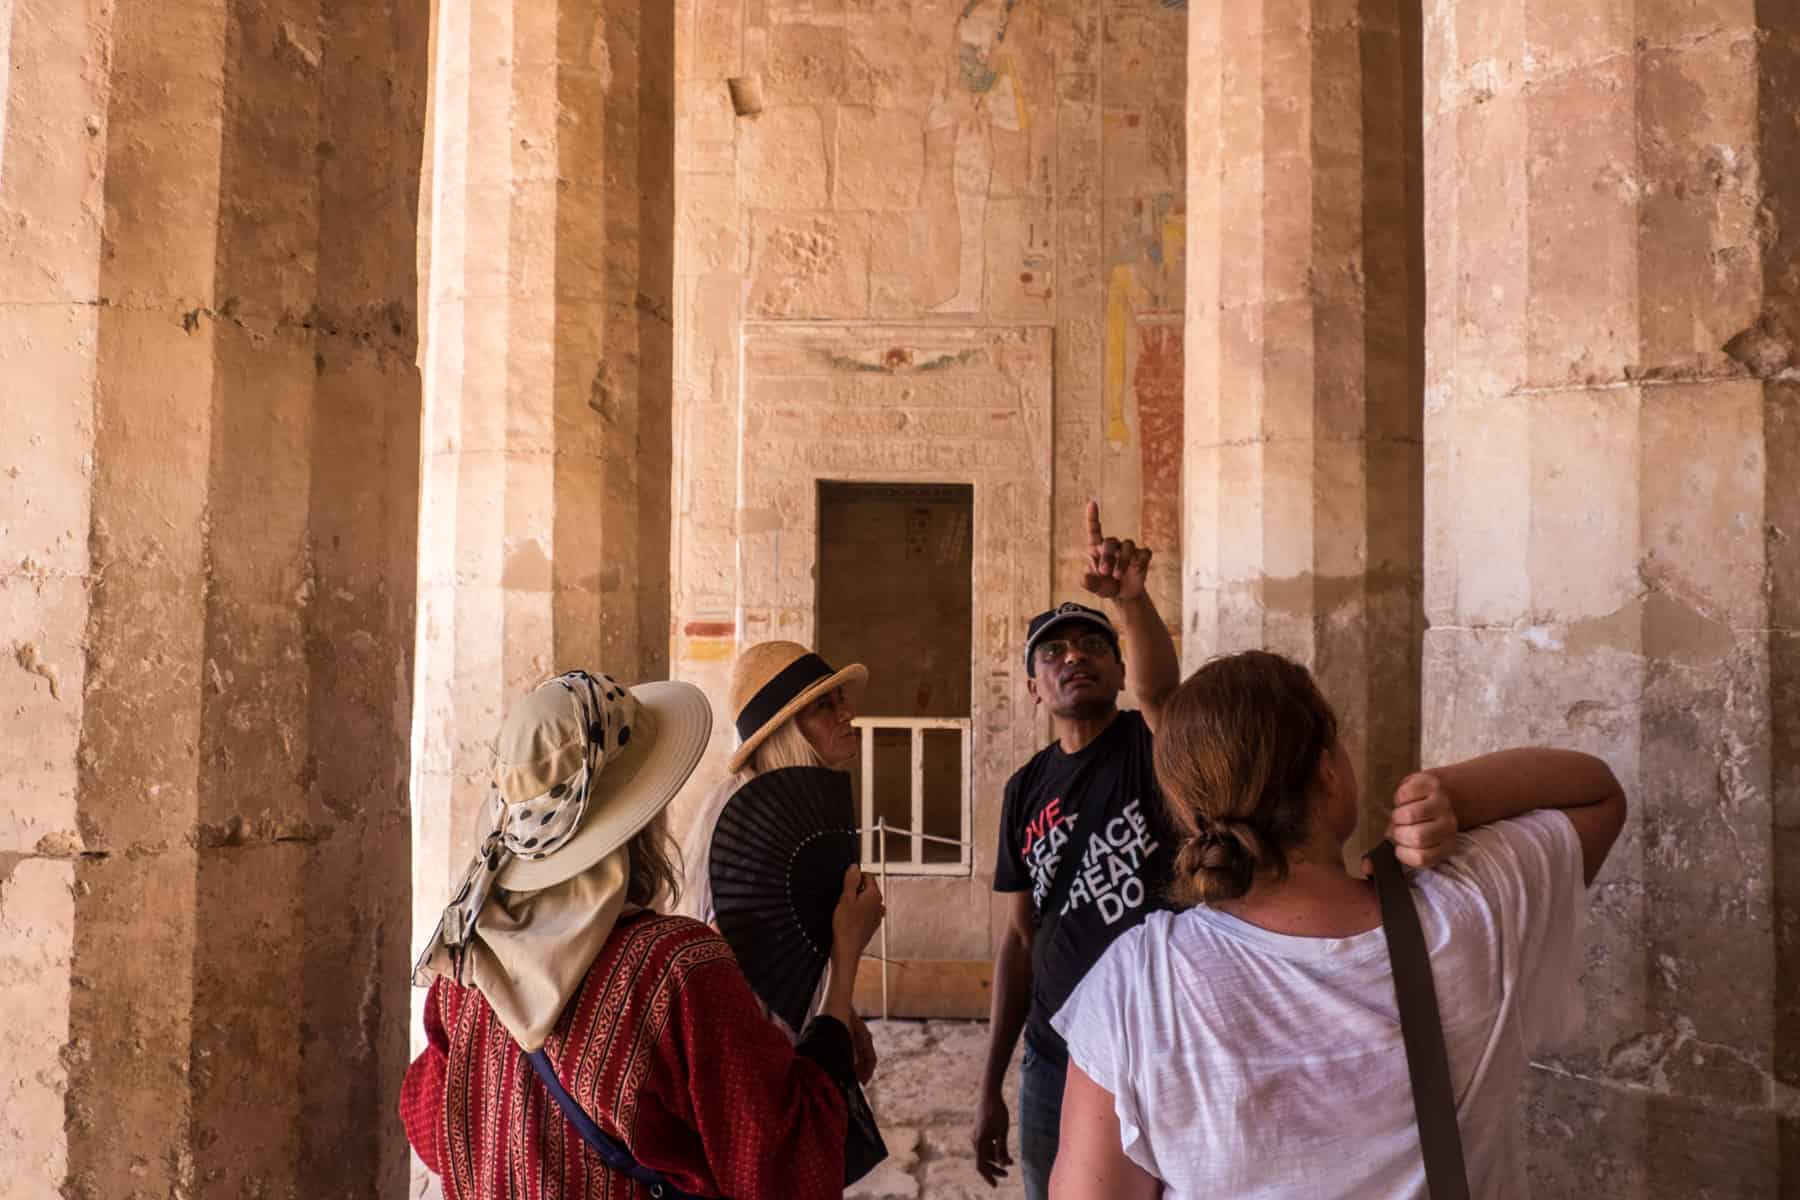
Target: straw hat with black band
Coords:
[(771, 681)]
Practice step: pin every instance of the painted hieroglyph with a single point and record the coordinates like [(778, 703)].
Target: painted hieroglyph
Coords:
[(980, 92)]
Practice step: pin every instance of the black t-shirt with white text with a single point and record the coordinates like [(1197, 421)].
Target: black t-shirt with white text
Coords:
[(1123, 875)]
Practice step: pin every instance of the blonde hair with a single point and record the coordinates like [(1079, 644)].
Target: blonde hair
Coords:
[(786, 747)]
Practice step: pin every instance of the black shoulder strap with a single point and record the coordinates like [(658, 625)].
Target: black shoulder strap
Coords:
[(610, 1151), (1427, 1059)]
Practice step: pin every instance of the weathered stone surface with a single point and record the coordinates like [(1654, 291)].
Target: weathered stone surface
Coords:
[(783, 161), (1590, 1140), (924, 1095), (897, 1176), (208, 282), (809, 265), (940, 1090), (880, 159), (956, 1179), (1602, 436), (1304, 372), (37, 920)]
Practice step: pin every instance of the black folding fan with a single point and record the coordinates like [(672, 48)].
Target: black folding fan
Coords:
[(779, 853)]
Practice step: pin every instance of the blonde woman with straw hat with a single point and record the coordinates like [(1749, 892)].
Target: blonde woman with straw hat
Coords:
[(556, 985), (791, 708)]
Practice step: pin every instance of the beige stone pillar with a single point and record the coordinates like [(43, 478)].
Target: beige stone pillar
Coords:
[(51, 168), (1304, 371), (544, 538), (1613, 208), (711, 261), (207, 294)]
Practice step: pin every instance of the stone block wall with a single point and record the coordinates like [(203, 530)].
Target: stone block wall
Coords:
[(208, 512), (1611, 459), (948, 172)]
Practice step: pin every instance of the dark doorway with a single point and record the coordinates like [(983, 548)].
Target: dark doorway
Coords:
[(896, 565)]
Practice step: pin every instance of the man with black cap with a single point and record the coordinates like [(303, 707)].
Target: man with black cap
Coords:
[(1085, 850)]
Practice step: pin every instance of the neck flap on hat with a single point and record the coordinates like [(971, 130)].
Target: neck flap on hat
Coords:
[(538, 798)]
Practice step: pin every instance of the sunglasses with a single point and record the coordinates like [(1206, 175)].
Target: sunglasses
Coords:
[(1091, 644)]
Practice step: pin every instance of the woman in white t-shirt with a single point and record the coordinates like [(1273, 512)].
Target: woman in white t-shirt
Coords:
[(1249, 1044)]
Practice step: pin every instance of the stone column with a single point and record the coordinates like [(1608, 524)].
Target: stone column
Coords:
[(546, 503), (711, 261), (207, 289), (1304, 359), (51, 172), (1612, 444)]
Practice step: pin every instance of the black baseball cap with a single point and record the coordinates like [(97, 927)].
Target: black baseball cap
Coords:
[(1064, 614)]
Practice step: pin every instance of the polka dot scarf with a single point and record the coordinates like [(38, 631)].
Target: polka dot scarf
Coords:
[(534, 808)]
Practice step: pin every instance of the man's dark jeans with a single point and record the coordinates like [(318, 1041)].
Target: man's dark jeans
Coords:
[(1041, 1076)]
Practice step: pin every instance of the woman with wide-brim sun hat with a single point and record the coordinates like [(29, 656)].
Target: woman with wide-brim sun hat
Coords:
[(790, 708), (578, 1041)]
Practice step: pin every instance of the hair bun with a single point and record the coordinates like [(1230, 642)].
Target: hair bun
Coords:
[(1221, 858)]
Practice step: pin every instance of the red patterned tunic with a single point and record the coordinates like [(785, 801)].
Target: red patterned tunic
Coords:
[(666, 1049)]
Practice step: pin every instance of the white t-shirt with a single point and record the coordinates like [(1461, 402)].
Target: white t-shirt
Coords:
[(1247, 1063)]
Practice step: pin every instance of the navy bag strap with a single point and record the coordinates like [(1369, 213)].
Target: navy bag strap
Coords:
[(610, 1151)]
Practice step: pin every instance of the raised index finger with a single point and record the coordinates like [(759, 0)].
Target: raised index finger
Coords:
[(1093, 523)]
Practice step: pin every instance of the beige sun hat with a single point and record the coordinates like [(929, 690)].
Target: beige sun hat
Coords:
[(580, 765), (650, 739), (771, 681)]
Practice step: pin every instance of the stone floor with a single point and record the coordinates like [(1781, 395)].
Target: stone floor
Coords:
[(924, 1096)]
